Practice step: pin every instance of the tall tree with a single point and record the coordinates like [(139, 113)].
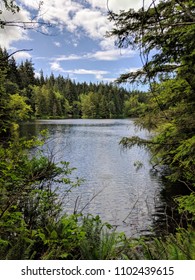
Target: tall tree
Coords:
[(164, 34), (27, 75)]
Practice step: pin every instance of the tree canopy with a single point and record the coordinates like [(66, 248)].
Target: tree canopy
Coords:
[(24, 95), (32, 187), (164, 34)]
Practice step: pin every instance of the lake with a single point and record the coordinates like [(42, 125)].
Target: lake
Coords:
[(114, 188)]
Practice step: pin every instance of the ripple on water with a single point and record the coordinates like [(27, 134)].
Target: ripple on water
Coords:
[(117, 192)]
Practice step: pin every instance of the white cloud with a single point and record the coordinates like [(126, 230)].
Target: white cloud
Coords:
[(57, 44), (97, 73), (98, 4), (55, 66), (116, 5), (72, 15), (104, 55), (57, 12), (69, 57), (129, 70), (92, 22), (107, 43), (10, 35), (88, 72), (14, 31), (109, 80), (22, 55), (37, 74), (113, 54)]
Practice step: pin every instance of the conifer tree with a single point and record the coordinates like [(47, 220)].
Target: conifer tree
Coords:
[(164, 34)]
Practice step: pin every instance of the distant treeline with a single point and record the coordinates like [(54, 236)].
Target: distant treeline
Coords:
[(61, 97)]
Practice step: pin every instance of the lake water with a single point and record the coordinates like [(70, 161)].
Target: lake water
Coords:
[(113, 188)]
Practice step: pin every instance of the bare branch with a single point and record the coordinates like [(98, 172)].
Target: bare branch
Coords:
[(23, 50), (3, 59)]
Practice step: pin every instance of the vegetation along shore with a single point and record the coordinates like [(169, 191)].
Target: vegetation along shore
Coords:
[(32, 220)]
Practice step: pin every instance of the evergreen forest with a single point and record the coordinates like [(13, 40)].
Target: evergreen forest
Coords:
[(59, 97), (32, 220)]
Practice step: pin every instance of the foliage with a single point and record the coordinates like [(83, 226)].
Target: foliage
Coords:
[(29, 200), (163, 32), (60, 240), (32, 226), (174, 247), (99, 242), (135, 105), (173, 128), (186, 205), (14, 105), (164, 35), (59, 97), (19, 110)]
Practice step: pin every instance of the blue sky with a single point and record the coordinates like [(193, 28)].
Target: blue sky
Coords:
[(76, 45)]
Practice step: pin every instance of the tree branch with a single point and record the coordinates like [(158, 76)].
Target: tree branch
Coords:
[(22, 50)]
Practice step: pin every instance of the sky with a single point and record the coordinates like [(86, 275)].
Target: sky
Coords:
[(75, 45)]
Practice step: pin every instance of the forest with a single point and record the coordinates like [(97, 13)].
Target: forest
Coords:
[(59, 97), (32, 225)]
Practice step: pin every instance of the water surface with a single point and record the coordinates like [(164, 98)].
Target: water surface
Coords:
[(113, 188)]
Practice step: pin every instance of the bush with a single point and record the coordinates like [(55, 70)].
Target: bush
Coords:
[(29, 200)]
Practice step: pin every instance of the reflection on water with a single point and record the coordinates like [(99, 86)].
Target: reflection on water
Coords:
[(122, 196)]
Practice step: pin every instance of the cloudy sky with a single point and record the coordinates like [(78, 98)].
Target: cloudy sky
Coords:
[(75, 45)]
